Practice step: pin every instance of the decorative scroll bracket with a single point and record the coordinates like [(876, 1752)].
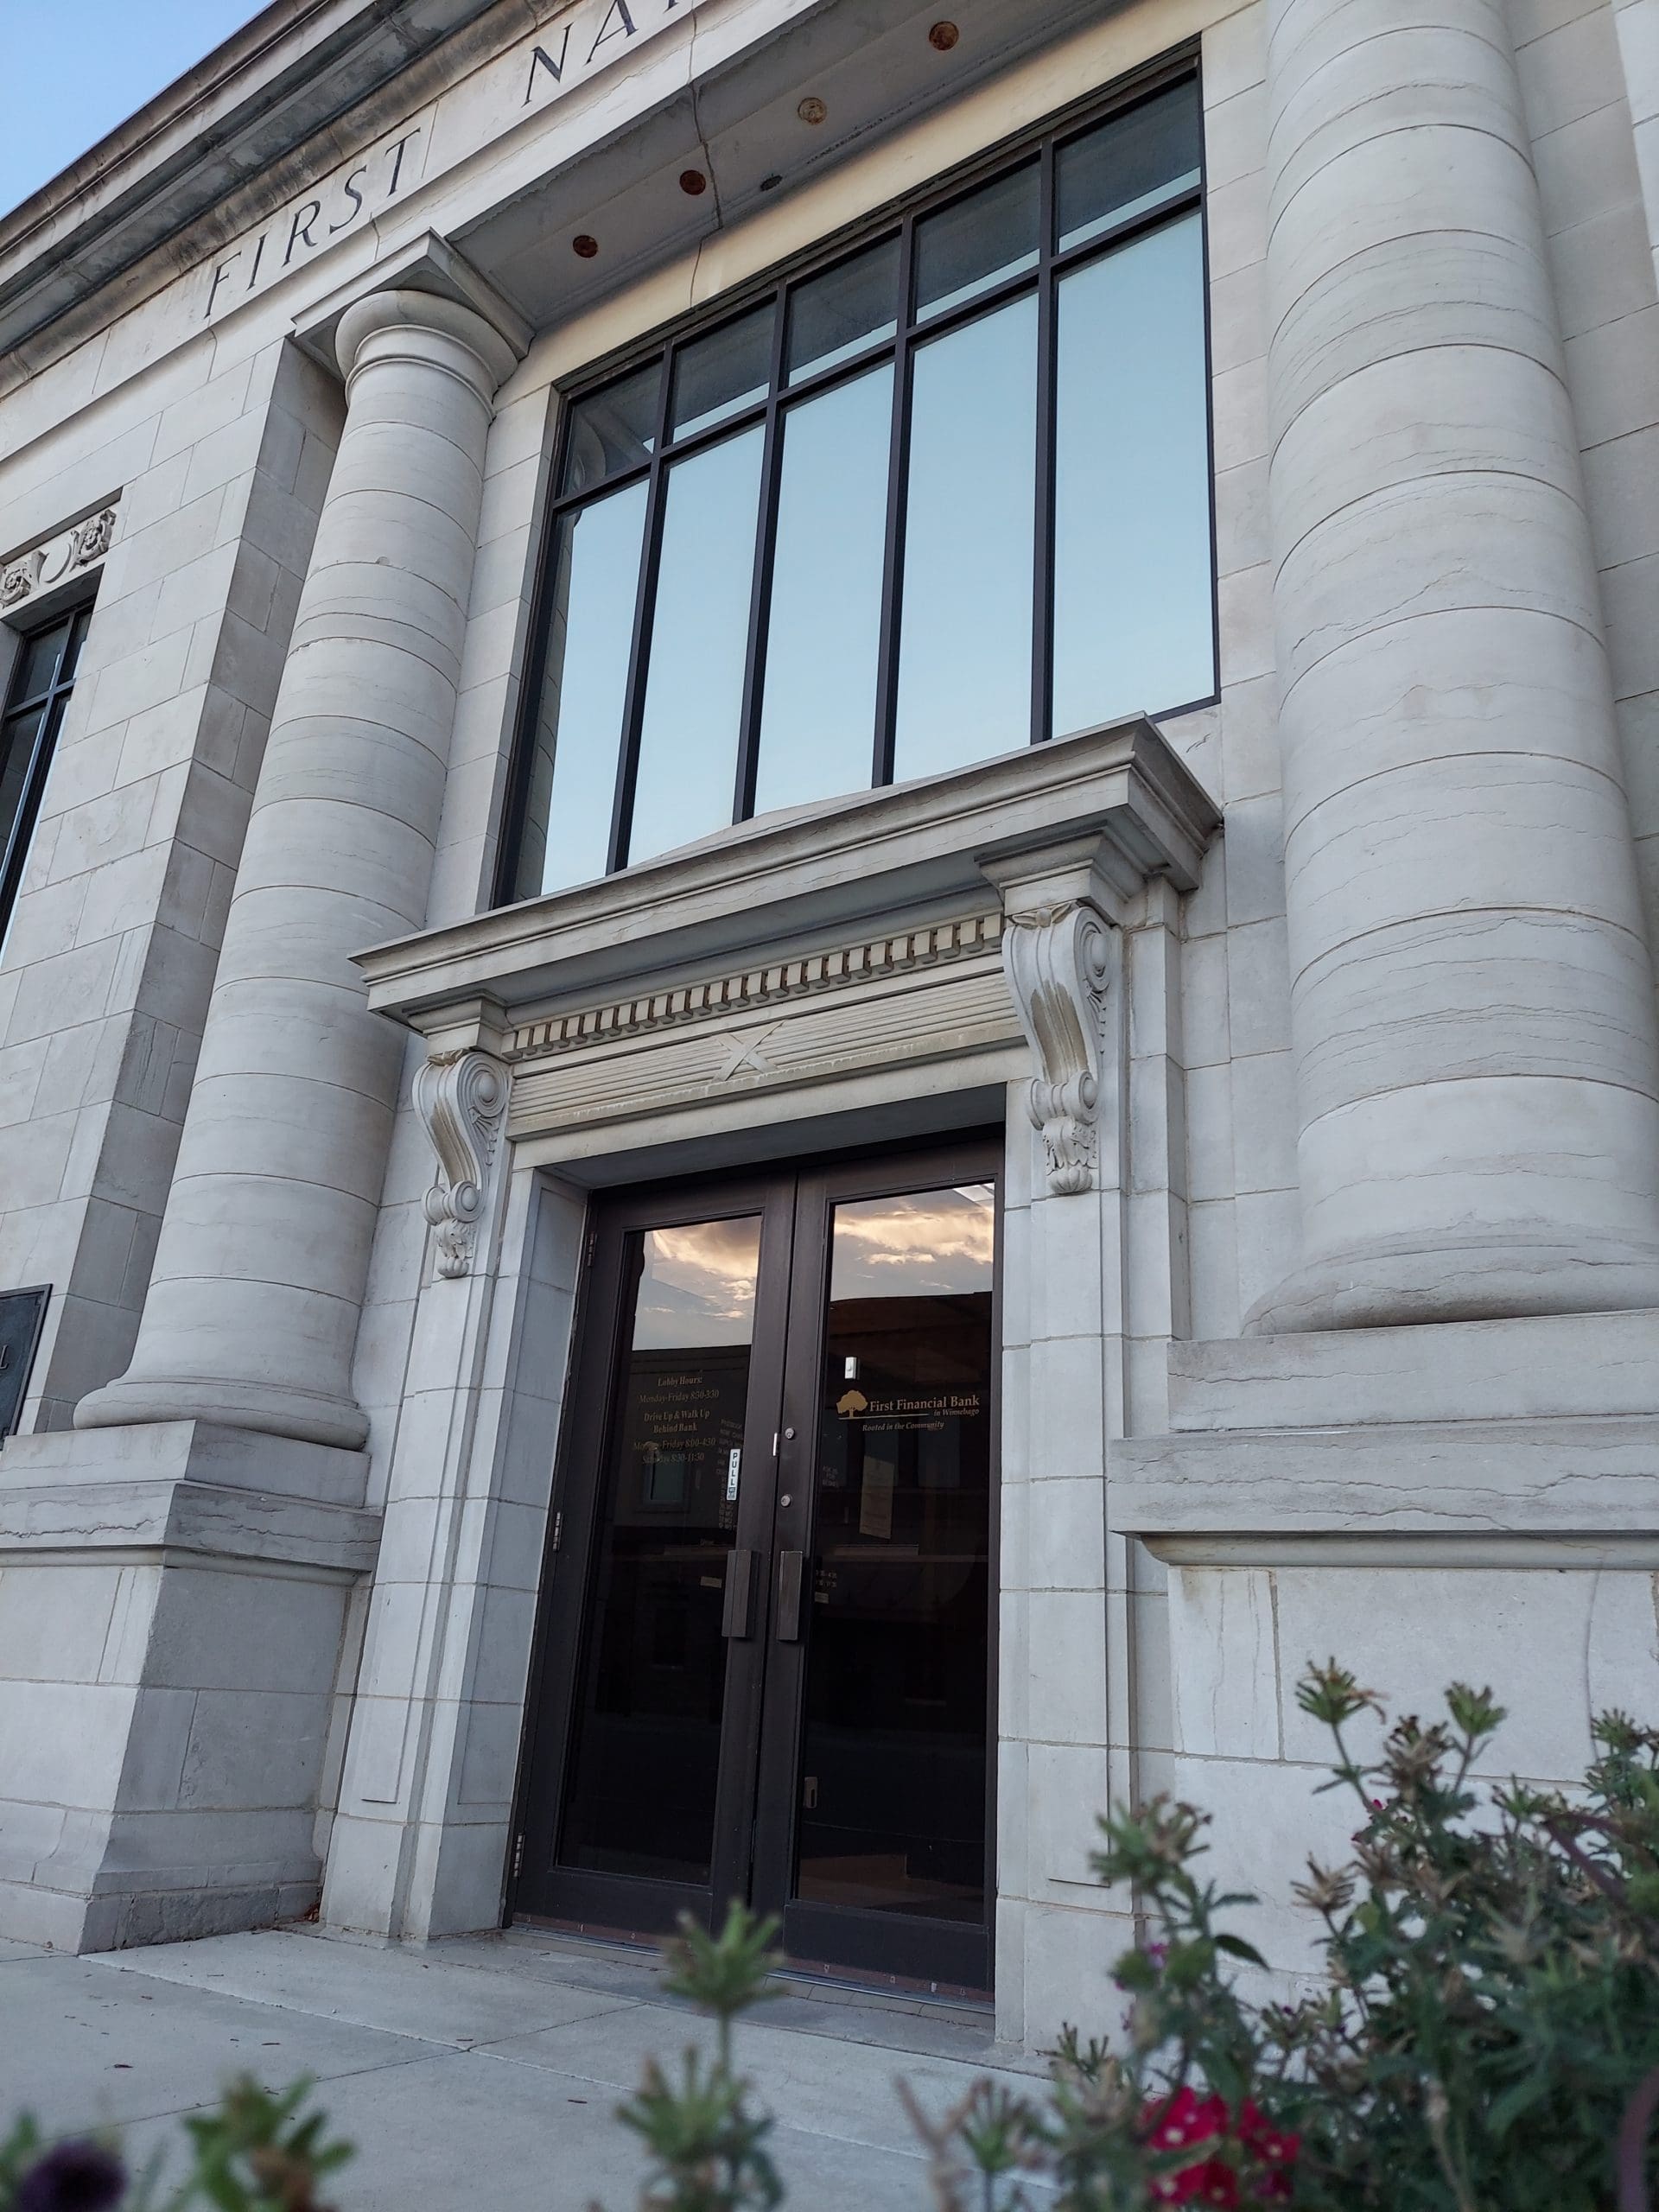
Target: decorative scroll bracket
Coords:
[(462, 1098), (1057, 957)]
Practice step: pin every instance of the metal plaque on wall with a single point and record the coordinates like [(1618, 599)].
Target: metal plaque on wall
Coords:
[(22, 1313)]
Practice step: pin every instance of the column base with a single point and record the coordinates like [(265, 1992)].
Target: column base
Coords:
[(174, 1614), (1490, 1275), (308, 1416)]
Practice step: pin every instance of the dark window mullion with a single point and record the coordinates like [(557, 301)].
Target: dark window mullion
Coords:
[(892, 566), (591, 494), (1147, 219), (509, 854), (766, 545), (1043, 543), (627, 758)]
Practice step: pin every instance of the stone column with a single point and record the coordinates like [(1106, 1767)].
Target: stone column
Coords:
[(252, 1311), (1474, 1013)]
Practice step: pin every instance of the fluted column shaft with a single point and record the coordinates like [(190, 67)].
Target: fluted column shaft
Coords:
[(1473, 1000), (253, 1304)]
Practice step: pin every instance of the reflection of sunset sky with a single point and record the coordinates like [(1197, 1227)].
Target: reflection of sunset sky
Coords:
[(925, 1244), (698, 1284)]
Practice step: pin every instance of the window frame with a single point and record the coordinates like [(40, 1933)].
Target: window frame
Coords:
[(52, 702), (896, 219)]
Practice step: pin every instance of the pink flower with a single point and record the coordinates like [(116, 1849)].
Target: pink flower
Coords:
[(1248, 2142)]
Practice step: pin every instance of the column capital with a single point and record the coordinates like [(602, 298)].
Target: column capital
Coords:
[(384, 326)]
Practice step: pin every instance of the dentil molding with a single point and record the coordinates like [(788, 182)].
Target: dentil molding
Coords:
[(462, 1098), (768, 983), (1058, 957)]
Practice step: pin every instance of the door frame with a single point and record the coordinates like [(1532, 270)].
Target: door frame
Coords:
[(756, 1835)]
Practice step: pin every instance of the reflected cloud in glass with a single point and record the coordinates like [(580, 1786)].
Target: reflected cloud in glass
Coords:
[(696, 1285), (926, 1243)]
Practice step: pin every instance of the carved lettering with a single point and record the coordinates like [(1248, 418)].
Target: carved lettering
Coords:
[(586, 38), (541, 59), (356, 197), (221, 270), (407, 139), (625, 27), (300, 228)]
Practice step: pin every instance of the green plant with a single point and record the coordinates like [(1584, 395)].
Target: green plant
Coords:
[(707, 2142), (256, 2151), (1486, 2038)]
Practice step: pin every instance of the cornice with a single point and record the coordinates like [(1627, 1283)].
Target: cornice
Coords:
[(248, 113), (874, 858)]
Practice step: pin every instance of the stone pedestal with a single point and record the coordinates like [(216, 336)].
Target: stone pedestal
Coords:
[(172, 1601), (1473, 1014), (253, 1310)]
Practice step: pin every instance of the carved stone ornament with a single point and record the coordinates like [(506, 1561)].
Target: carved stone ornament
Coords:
[(1057, 960), (462, 1099), (92, 537), (17, 580)]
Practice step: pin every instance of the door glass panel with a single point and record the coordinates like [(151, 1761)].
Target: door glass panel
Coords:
[(567, 833), (893, 1781), (818, 724), (964, 660), (699, 646), (1132, 621), (645, 1753)]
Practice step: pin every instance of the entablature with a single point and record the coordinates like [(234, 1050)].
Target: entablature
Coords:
[(851, 949), (936, 849)]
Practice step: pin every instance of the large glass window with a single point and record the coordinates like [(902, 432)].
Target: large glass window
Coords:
[(41, 679), (939, 496)]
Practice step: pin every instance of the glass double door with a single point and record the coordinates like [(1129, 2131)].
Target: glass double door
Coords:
[(765, 1665)]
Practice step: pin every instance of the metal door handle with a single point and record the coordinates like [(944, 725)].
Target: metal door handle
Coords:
[(792, 1572), (735, 1615)]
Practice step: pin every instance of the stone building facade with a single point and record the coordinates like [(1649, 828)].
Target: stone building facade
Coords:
[(832, 843)]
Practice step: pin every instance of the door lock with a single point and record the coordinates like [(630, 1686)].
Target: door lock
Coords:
[(810, 1794)]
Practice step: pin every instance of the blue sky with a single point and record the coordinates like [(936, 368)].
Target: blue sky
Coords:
[(76, 68)]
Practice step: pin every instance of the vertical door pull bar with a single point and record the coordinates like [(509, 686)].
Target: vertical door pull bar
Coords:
[(792, 1572), (735, 1614)]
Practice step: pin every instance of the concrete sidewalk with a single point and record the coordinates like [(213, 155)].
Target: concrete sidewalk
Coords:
[(481, 2070)]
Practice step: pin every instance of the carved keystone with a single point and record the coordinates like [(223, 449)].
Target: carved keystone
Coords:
[(462, 1098), (1058, 960)]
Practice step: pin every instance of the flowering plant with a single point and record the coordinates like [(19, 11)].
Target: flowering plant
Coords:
[(1484, 2037), (253, 2153)]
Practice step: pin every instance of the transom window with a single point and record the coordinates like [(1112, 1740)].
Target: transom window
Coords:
[(42, 679), (947, 495)]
